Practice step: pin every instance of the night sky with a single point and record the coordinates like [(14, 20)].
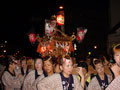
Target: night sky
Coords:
[(18, 19)]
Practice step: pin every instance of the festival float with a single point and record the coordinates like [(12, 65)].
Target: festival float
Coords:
[(55, 42)]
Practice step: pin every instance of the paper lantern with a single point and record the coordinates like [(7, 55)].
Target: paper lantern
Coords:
[(60, 19)]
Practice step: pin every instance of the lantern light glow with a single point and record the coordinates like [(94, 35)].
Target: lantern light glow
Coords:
[(43, 49), (61, 7), (60, 19)]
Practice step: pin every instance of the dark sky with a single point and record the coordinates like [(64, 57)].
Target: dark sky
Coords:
[(18, 18)]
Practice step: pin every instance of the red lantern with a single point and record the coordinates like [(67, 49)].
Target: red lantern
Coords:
[(32, 37), (60, 18)]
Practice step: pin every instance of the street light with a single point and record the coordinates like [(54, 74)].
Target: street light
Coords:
[(5, 41), (95, 47), (1, 46), (4, 51), (89, 53), (61, 7)]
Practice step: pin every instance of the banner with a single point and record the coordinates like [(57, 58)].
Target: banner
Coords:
[(81, 34), (49, 27)]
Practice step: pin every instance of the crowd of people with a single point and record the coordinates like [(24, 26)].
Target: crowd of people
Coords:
[(61, 73)]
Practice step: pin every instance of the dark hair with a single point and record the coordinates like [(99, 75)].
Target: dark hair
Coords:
[(37, 59), (57, 60), (46, 58), (23, 59), (96, 61), (10, 60), (83, 65), (116, 48)]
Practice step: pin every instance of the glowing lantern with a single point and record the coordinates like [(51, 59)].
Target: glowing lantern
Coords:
[(43, 49), (60, 19), (32, 37)]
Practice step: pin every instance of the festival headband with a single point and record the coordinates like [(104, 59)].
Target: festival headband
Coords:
[(15, 61), (49, 58), (94, 60), (116, 46), (66, 60)]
